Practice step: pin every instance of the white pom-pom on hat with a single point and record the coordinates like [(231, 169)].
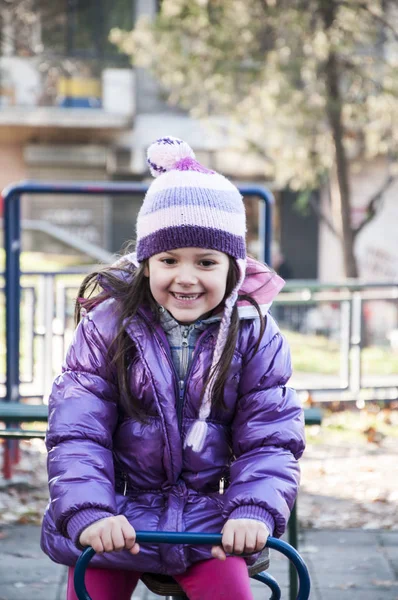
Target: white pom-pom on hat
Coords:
[(163, 154)]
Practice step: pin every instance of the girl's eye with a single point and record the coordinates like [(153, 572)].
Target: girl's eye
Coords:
[(168, 261), (207, 263)]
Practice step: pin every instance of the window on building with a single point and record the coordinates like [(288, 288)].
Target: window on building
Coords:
[(80, 28)]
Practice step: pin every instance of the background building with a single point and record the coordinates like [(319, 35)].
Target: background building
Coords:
[(73, 108), (66, 94)]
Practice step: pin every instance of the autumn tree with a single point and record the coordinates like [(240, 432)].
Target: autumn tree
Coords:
[(310, 83)]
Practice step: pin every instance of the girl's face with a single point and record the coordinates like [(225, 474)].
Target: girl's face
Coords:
[(188, 282)]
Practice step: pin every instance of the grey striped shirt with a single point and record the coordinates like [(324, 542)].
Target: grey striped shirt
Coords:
[(182, 339)]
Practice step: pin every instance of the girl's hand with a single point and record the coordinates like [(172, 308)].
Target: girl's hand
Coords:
[(111, 533), (241, 536)]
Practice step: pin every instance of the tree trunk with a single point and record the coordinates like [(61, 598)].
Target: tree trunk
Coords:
[(334, 112)]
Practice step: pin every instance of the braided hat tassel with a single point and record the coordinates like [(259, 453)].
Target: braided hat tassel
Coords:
[(197, 434)]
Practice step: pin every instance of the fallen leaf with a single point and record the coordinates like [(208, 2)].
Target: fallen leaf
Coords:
[(385, 583)]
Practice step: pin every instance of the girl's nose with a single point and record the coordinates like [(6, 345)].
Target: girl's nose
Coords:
[(186, 276)]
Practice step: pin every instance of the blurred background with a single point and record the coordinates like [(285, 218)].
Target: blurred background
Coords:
[(300, 96)]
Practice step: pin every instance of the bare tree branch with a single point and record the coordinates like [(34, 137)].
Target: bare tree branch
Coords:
[(366, 8), (253, 146), (375, 204), (323, 216)]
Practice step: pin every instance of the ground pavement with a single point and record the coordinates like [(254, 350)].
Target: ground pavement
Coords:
[(344, 565)]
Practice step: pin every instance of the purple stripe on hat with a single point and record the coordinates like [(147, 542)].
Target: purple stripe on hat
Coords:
[(190, 164), (228, 201), (168, 140), (155, 167), (172, 238)]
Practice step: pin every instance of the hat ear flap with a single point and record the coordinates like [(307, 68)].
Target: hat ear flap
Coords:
[(197, 434)]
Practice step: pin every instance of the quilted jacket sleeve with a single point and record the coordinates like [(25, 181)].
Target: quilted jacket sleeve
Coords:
[(82, 419), (267, 436)]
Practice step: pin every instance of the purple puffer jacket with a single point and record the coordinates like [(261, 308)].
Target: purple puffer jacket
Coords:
[(102, 463)]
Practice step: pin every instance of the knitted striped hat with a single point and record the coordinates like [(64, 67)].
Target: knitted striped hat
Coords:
[(190, 206)]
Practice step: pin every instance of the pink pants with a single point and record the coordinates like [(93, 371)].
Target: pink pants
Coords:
[(207, 580)]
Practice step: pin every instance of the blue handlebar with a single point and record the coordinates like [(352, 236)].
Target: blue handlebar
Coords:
[(194, 539)]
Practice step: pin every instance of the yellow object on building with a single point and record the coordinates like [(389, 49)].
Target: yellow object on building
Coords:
[(79, 92), (79, 87)]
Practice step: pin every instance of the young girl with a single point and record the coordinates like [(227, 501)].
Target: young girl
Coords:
[(172, 411)]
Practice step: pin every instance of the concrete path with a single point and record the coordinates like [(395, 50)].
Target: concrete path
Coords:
[(344, 565)]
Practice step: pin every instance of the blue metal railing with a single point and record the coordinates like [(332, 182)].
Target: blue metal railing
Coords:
[(11, 198), (204, 539)]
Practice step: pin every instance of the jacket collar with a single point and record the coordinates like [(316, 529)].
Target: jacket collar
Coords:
[(169, 323)]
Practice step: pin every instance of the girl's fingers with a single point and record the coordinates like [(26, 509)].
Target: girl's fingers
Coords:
[(262, 537), (244, 536), (218, 552), (135, 549), (250, 543), (97, 544), (129, 537), (117, 537), (128, 534), (106, 537), (228, 539), (239, 540)]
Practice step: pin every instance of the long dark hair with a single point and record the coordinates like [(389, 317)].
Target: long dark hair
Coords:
[(130, 287)]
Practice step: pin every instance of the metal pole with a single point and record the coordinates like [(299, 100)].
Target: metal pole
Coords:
[(12, 244), (12, 237), (345, 336), (293, 541), (266, 227), (356, 345)]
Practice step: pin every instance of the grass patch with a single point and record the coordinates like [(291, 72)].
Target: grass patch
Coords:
[(379, 361), (319, 354), (350, 426), (314, 353)]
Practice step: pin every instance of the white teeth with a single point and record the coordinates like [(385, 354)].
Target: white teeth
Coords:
[(186, 297)]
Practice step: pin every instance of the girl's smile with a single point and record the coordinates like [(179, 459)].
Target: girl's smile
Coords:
[(186, 297), (188, 282)]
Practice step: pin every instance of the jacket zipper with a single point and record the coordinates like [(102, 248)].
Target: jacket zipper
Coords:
[(183, 369), (185, 348), (179, 385), (180, 403)]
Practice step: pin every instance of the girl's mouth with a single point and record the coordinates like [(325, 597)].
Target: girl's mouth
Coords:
[(185, 297)]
